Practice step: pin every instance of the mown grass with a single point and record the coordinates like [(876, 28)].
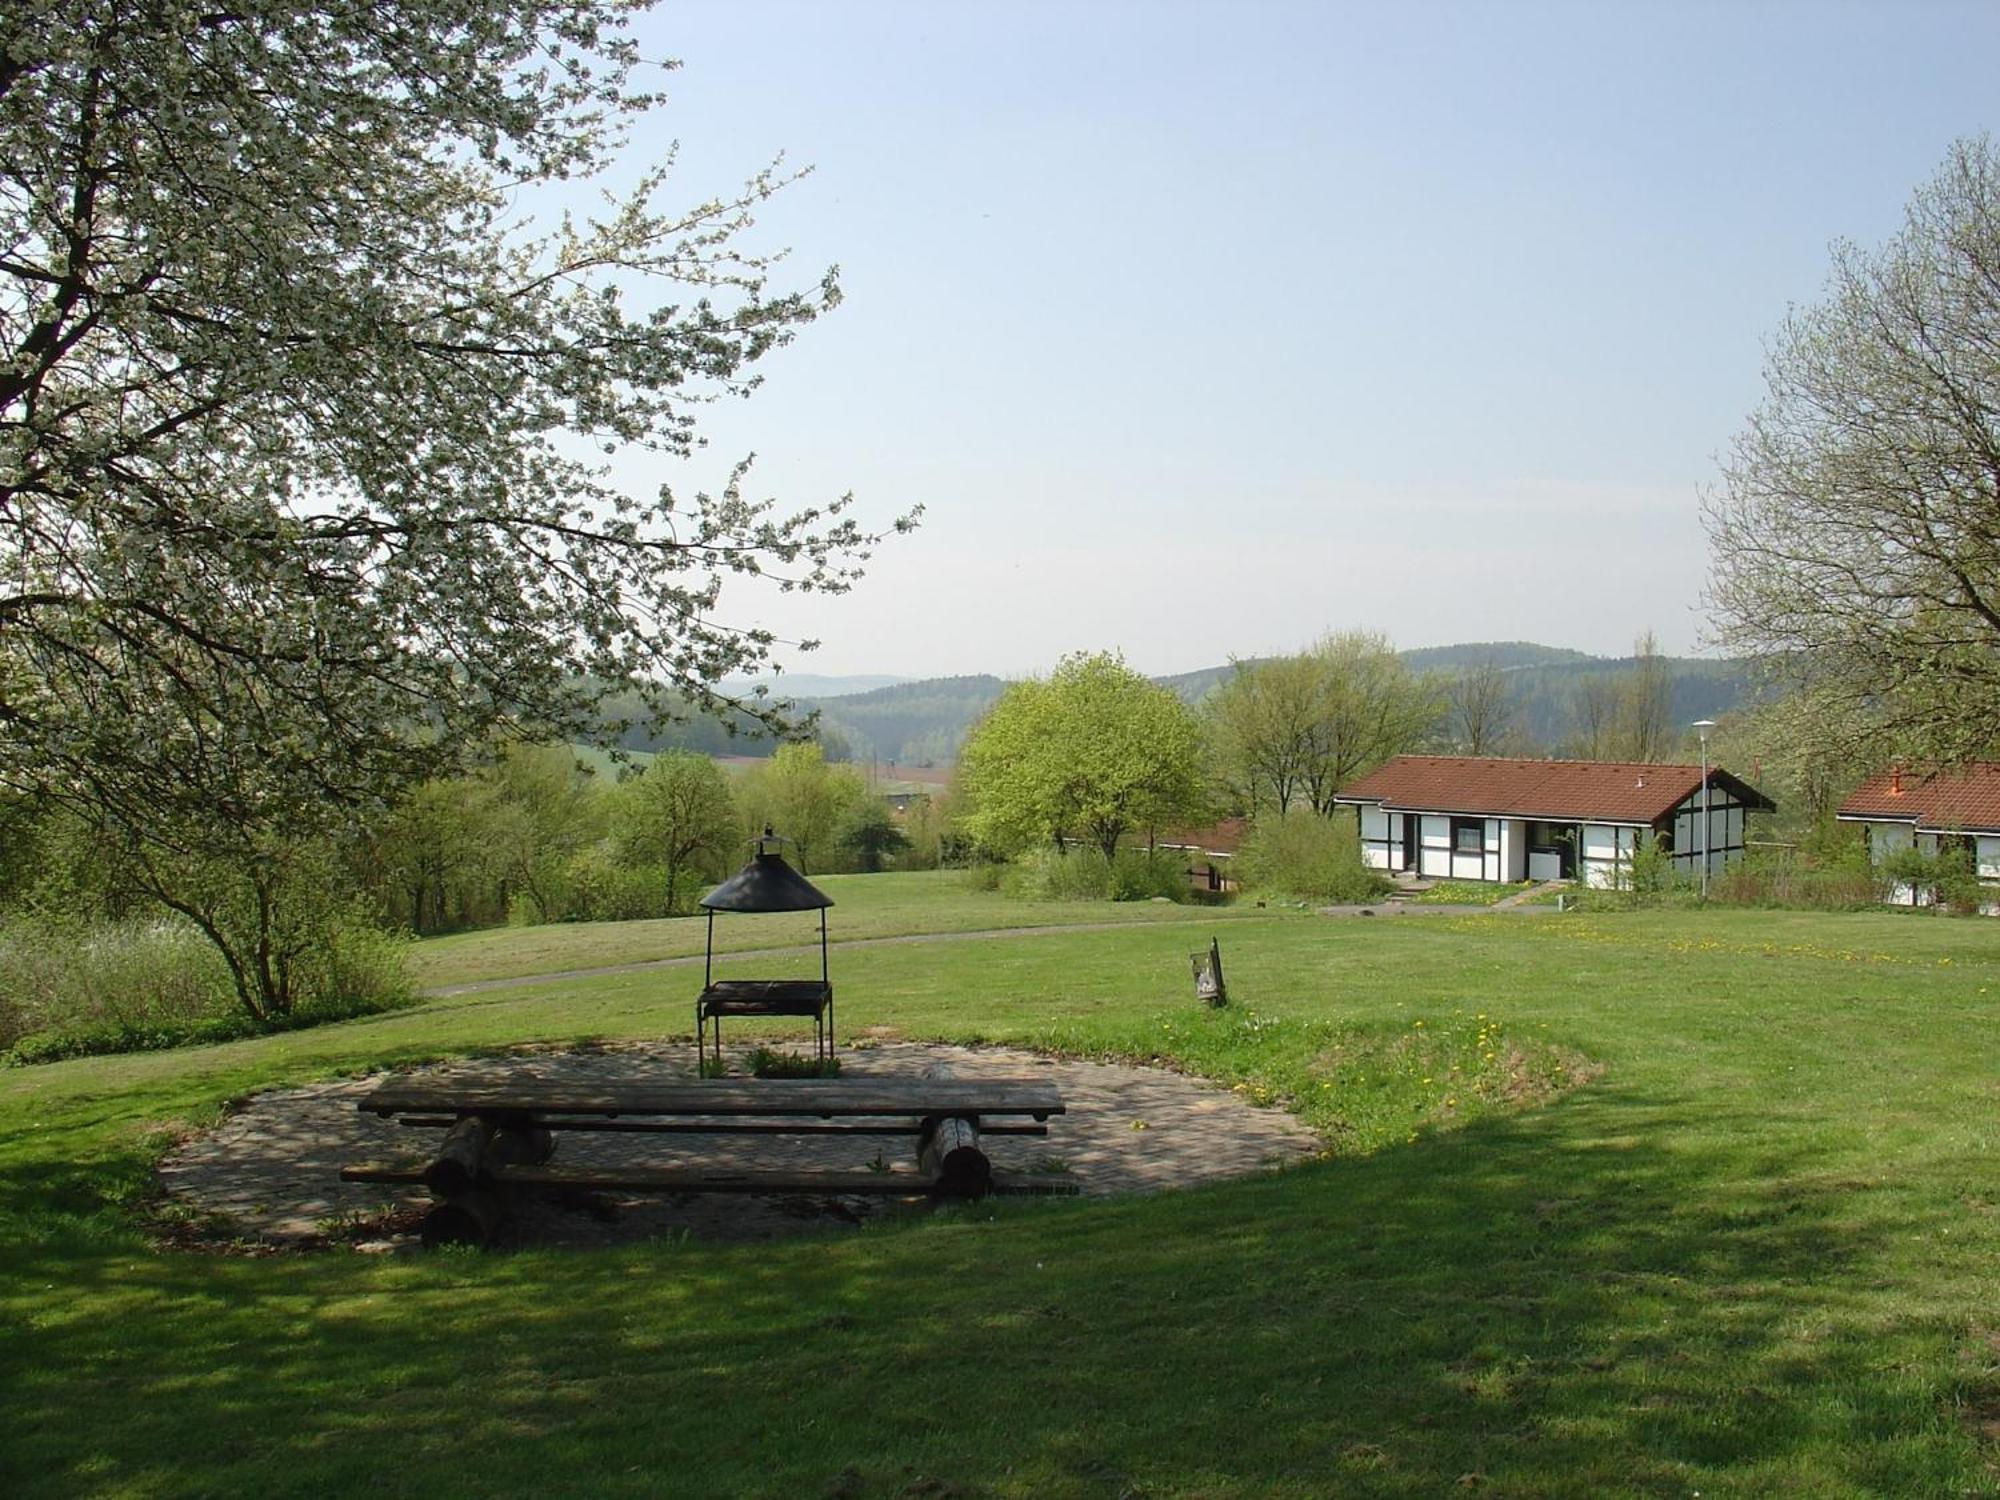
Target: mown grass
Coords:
[(865, 906), (1755, 1256)]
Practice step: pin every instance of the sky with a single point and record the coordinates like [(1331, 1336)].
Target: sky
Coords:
[(1199, 330)]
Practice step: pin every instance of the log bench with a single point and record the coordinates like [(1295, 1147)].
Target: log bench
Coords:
[(498, 1137)]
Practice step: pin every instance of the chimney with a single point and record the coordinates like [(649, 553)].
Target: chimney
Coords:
[(1642, 780), (1896, 779)]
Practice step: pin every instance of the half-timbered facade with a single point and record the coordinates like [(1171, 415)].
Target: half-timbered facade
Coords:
[(1931, 811), (1484, 818)]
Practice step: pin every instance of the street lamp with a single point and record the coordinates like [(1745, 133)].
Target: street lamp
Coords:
[(1702, 727)]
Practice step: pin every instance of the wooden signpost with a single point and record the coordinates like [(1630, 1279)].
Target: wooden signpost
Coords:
[(1208, 985)]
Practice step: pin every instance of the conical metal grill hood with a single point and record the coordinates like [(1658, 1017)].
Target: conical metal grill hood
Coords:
[(767, 883)]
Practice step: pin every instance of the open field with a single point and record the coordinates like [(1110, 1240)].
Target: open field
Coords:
[(865, 906), (1755, 1255)]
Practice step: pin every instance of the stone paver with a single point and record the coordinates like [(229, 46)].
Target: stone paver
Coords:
[(270, 1172)]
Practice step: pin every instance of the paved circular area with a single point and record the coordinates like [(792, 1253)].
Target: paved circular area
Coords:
[(270, 1172)]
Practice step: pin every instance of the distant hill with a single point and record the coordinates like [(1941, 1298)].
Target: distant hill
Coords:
[(1501, 653), (922, 723), (810, 685), (912, 723)]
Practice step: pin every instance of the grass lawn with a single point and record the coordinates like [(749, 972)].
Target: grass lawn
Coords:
[(1755, 1255), (1468, 893), (891, 904)]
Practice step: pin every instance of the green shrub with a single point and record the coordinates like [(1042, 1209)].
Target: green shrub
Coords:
[(598, 888), (72, 988), (984, 875), (1058, 875), (60, 975), (1798, 879), (767, 1062), (1309, 857), (1147, 874), (1948, 878)]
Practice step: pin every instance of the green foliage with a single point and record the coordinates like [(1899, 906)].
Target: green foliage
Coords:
[(1290, 732), (1466, 893), (1947, 878), (677, 822), (1309, 857), (1829, 878), (798, 795), (869, 833), (1855, 533), (767, 1062), (1086, 755), (1086, 875), (74, 988), (327, 452)]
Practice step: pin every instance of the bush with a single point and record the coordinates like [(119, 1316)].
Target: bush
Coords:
[(1789, 878), (1058, 875), (1143, 874), (59, 975), (1948, 878), (984, 875), (72, 988), (1079, 874), (1308, 857), (598, 888)]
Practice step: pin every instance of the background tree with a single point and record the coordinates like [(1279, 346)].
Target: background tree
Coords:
[(679, 816), (1088, 754), (1856, 536), (799, 795), (1645, 727), (432, 858), (1294, 730), (294, 398), (548, 808), (1262, 724), (1481, 709), (1626, 714), (1593, 716), (870, 834)]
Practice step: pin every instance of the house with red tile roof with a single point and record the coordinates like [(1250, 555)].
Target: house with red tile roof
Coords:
[(1930, 810), (1463, 817)]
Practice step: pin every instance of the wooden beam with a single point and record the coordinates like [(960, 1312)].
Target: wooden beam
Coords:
[(779, 1097)]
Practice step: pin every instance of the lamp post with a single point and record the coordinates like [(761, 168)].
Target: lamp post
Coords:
[(1702, 727)]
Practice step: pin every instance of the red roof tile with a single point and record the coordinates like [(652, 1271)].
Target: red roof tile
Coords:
[(1603, 790), (1947, 801)]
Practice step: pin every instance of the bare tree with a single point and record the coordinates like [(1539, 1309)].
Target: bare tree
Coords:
[(1482, 710), (1857, 533), (1645, 705), (1593, 709)]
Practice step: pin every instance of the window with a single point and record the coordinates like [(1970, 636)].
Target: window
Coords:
[(1468, 835)]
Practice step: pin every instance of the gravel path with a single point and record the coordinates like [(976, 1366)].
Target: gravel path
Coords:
[(270, 1172)]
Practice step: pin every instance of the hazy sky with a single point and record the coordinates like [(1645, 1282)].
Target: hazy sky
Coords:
[(1200, 329)]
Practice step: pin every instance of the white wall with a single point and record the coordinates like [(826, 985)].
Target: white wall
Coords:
[(1375, 825), (1434, 846), (1607, 850)]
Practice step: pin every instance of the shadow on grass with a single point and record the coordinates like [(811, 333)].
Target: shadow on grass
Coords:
[(1606, 1296)]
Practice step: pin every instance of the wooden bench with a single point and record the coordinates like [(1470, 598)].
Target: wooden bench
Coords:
[(498, 1137)]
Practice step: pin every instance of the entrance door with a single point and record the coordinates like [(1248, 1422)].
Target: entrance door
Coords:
[(1409, 841)]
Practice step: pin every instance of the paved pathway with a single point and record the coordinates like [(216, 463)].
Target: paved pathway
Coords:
[(270, 1172)]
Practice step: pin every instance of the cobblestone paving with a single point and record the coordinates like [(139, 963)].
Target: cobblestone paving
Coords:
[(270, 1172)]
